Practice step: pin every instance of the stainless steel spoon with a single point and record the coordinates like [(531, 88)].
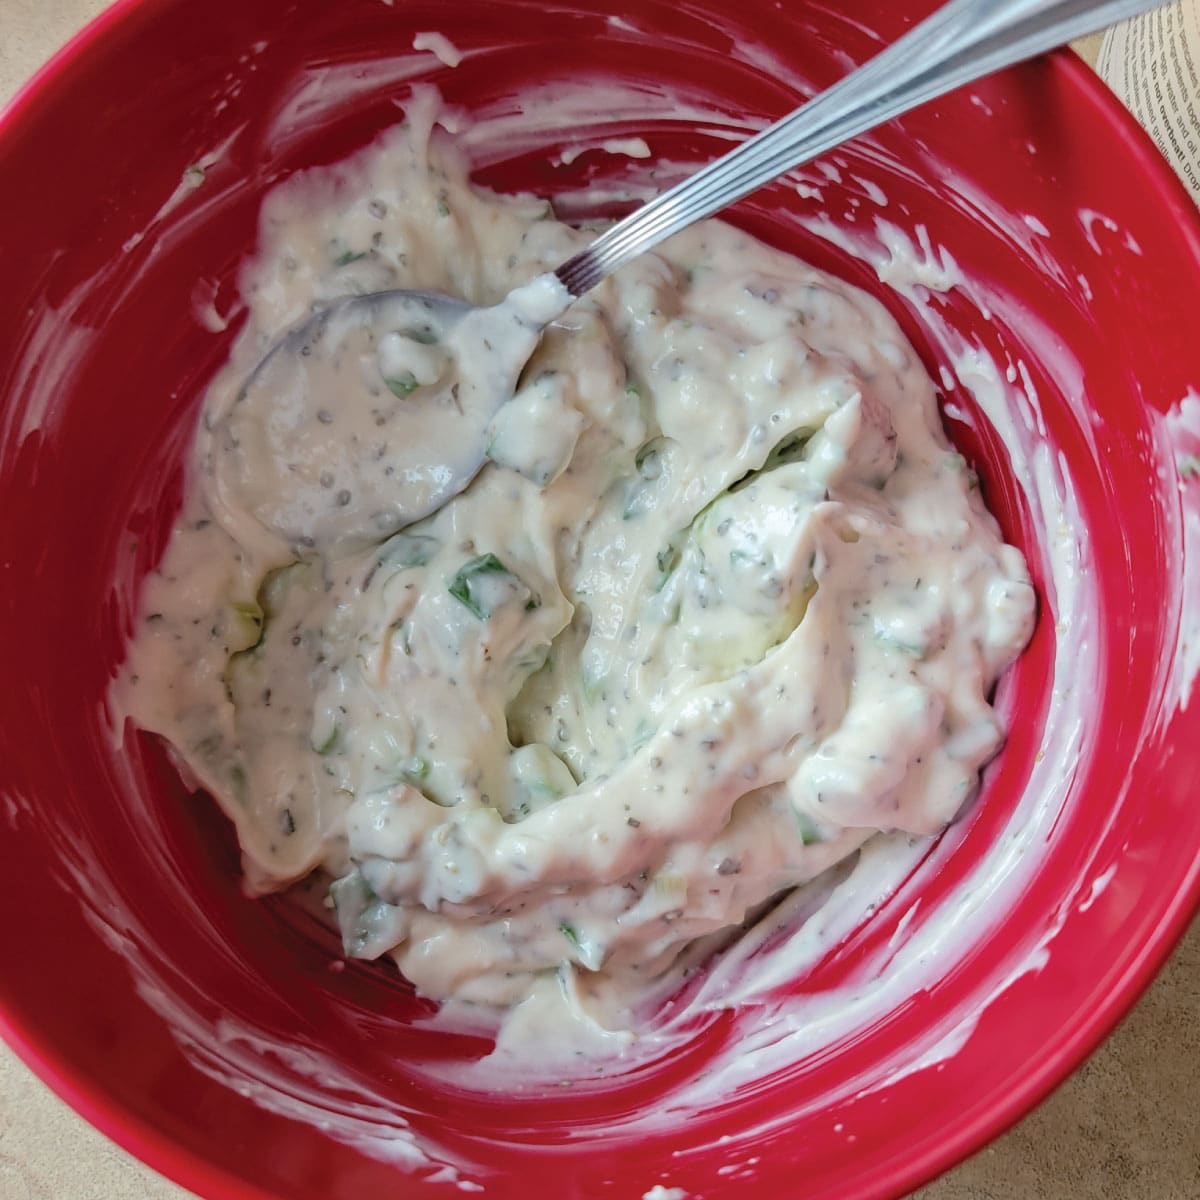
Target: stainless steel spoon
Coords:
[(445, 421)]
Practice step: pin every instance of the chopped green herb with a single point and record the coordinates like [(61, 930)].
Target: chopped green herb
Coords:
[(890, 641), (330, 743), (273, 591), (403, 387), (352, 889), (468, 585), (361, 914), (415, 768), (249, 610), (650, 464), (247, 625), (790, 449), (348, 256), (810, 835), (667, 559), (443, 209), (570, 933), (649, 461), (1189, 466)]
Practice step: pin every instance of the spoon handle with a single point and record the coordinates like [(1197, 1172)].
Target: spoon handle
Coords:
[(962, 41)]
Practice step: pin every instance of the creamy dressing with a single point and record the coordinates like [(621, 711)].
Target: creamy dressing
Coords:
[(1179, 432), (723, 607), (440, 46)]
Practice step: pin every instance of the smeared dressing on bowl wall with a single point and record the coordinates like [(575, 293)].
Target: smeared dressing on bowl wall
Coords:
[(1011, 381)]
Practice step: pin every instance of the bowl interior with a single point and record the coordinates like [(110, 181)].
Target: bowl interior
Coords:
[(219, 1037)]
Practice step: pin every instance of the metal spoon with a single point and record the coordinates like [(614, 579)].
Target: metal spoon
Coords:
[(316, 493)]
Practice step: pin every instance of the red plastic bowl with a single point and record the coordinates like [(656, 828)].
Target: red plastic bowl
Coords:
[(205, 1031)]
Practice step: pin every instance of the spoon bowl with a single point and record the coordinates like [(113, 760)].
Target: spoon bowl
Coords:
[(371, 414)]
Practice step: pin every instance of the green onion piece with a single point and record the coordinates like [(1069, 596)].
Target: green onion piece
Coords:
[(414, 768), (249, 611), (248, 625), (890, 641), (810, 835), (273, 591), (330, 744), (789, 450), (403, 387), (649, 461), (667, 559), (464, 587)]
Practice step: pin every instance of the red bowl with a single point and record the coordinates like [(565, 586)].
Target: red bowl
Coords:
[(207, 1032)]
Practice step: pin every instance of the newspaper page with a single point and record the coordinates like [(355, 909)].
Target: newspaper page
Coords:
[(1152, 62)]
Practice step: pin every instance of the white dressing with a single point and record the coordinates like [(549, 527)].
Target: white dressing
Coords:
[(723, 606)]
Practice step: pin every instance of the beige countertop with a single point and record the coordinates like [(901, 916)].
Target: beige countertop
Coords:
[(1126, 1126)]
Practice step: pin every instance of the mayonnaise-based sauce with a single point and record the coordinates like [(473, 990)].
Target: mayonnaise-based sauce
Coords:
[(723, 606)]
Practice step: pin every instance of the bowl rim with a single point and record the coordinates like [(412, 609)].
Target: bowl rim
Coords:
[(190, 1170)]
